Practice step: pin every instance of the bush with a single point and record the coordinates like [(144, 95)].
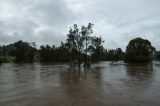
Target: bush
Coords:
[(6, 59), (139, 50)]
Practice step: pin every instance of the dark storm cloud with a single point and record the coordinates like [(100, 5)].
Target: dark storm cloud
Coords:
[(48, 21)]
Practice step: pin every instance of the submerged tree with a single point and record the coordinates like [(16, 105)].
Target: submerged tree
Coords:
[(24, 52), (78, 43), (157, 55), (86, 32), (96, 49), (45, 53), (139, 50), (53, 53), (112, 55), (75, 45), (77, 48)]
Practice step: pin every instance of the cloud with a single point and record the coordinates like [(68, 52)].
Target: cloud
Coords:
[(29, 20), (48, 21)]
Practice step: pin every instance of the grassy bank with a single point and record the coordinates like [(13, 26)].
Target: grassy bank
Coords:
[(6, 59)]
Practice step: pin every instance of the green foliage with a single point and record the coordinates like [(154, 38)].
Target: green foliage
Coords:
[(54, 54), (113, 55), (96, 49), (157, 55), (78, 43), (74, 44), (78, 48), (86, 32), (24, 52), (7, 50), (139, 50), (6, 59)]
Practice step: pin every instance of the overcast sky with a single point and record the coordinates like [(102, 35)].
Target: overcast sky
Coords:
[(48, 21)]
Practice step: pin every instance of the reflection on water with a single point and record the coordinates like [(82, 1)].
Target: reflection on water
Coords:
[(71, 76), (104, 84), (142, 72)]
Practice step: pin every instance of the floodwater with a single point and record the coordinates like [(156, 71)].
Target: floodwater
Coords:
[(104, 84)]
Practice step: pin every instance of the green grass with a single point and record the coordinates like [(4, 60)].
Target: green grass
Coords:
[(6, 59)]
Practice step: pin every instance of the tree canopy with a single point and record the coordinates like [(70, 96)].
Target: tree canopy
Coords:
[(139, 50), (157, 55), (79, 48), (82, 45), (24, 51)]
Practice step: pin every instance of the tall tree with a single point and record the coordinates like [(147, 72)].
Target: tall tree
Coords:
[(78, 42), (75, 44), (86, 31)]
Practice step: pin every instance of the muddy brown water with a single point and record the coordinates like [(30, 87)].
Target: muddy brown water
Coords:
[(104, 84)]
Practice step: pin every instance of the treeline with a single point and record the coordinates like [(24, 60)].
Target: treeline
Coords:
[(79, 48), (157, 55), (61, 54), (26, 52), (19, 51), (54, 54), (113, 55)]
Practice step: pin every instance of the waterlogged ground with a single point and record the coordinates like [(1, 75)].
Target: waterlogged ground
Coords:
[(104, 84)]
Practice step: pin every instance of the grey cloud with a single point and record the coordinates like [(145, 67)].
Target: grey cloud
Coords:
[(48, 21), (52, 12), (31, 15)]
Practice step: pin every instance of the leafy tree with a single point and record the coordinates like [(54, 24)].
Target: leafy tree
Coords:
[(112, 55), (63, 53), (1, 51), (157, 55), (54, 54), (24, 52), (78, 43), (75, 44), (0, 54), (139, 50), (119, 54), (86, 31), (96, 49), (46, 53)]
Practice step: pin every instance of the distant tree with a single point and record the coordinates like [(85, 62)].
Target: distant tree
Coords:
[(75, 44), (24, 52), (119, 54), (54, 54), (96, 49), (86, 32), (1, 54), (46, 53), (139, 50), (112, 55), (1, 51), (157, 55), (4, 51), (63, 52), (78, 42)]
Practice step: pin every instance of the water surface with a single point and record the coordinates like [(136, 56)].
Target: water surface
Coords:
[(104, 84)]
